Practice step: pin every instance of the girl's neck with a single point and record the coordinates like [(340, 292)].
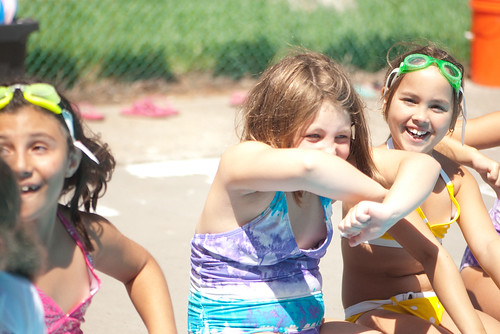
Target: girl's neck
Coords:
[(390, 145), (44, 226)]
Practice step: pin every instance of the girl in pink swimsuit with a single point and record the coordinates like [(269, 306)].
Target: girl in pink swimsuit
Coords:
[(42, 140)]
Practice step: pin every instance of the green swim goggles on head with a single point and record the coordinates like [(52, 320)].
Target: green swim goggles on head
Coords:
[(418, 61), (45, 96)]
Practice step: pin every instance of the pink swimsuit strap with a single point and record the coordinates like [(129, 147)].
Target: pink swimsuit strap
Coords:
[(56, 320)]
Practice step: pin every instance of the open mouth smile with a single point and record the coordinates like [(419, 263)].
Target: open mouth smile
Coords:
[(417, 134), (29, 189)]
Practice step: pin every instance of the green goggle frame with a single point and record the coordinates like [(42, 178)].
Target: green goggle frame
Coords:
[(45, 96), (417, 61)]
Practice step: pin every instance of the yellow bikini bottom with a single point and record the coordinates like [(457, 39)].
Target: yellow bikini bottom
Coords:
[(424, 305)]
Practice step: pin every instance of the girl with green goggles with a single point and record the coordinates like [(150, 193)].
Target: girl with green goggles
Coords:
[(420, 110)]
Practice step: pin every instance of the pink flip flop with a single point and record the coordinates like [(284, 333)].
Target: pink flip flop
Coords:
[(89, 112), (238, 98), (147, 108)]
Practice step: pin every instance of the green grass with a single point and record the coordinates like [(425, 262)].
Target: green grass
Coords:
[(131, 40)]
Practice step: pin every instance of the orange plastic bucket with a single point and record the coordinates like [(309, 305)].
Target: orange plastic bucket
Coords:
[(485, 47)]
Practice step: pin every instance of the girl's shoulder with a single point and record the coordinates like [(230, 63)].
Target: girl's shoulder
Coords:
[(102, 233), (95, 225), (387, 161), (87, 218), (243, 151), (246, 147), (451, 168), (385, 156)]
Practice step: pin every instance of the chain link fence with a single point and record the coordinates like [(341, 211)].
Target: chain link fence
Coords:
[(126, 41)]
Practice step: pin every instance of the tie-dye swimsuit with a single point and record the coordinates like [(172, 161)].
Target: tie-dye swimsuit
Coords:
[(255, 278), (468, 260), (56, 320)]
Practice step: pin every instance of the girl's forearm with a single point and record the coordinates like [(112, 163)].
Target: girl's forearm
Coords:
[(490, 258), (412, 186), (451, 148), (150, 295), (451, 291)]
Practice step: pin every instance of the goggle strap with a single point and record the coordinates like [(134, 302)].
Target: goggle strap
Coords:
[(464, 115), (394, 71), (78, 144), (68, 118)]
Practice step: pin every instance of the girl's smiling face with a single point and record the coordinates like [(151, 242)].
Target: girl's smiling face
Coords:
[(421, 110), (330, 131), (34, 144)]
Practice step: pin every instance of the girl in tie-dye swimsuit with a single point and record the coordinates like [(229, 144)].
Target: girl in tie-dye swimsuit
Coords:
[(43, 141), (266, 222)]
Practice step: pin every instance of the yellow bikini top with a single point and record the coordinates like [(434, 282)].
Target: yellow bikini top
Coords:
[(439, 230)]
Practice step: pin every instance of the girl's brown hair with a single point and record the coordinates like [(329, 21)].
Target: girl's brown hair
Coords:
[(288, 96)]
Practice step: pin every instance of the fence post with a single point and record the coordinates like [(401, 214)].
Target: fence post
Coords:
[(13, 38)]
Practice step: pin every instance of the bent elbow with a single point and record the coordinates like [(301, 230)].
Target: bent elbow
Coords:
[(309, 162)]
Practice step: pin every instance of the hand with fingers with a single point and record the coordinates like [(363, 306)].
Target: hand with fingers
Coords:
[(489, 170), (365, 221)]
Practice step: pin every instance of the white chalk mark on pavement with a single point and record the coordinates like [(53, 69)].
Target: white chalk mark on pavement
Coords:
[(207, 167)]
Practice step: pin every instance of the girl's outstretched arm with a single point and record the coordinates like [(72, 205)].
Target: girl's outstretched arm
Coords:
[(250, 173), (413, 177), (481, 132), (476, 227), (488, 169), (135, 267), (251, 167)]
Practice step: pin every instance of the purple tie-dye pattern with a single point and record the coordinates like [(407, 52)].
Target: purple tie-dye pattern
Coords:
[(468, 260), (260, 262)]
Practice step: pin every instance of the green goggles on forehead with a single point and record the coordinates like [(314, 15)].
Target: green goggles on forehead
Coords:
[(417, 61), (45, 96)]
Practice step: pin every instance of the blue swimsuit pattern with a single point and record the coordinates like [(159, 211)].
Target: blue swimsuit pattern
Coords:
[(255, 278)]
